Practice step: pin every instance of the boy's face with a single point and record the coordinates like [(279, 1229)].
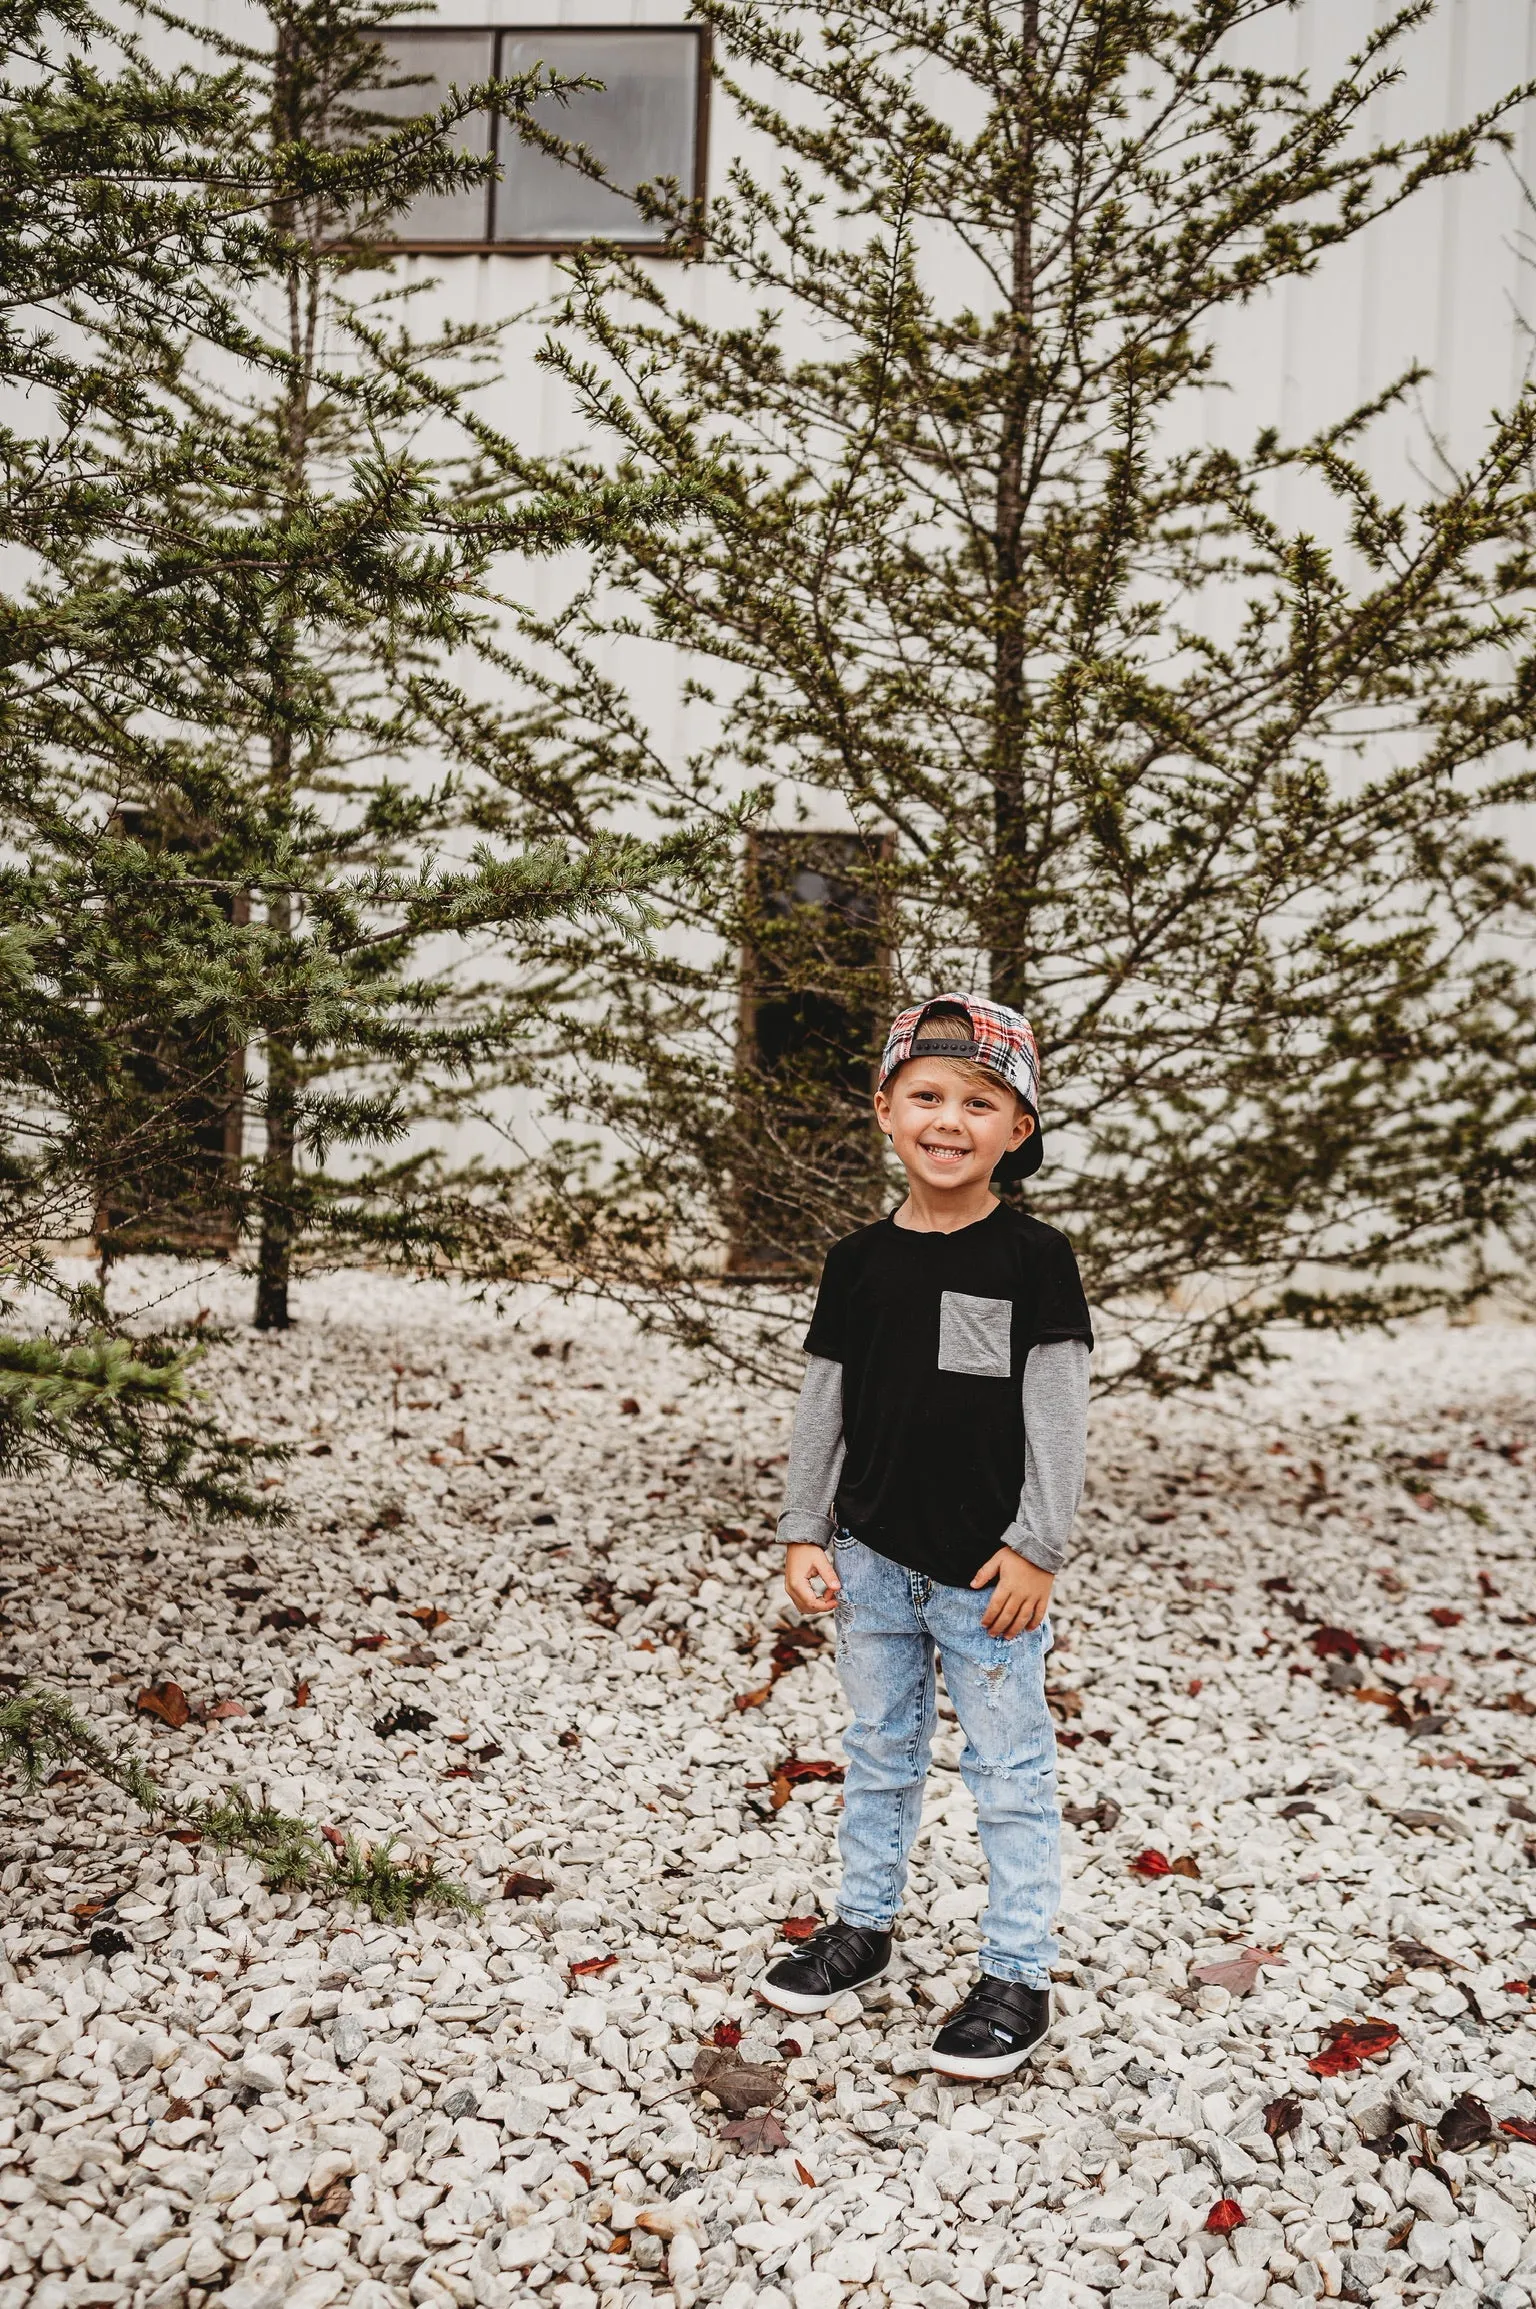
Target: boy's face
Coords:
[(950, 1128)]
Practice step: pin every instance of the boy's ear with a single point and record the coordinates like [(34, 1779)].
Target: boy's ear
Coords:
[(1023, 1131)]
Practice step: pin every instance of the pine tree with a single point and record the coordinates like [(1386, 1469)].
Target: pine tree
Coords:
[(1205, 791), (242, 506)]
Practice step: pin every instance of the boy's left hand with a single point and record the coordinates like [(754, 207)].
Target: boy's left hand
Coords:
[(1022, 1597)]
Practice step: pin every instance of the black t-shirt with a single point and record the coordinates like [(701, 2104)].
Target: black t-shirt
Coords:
[(933, 1332)]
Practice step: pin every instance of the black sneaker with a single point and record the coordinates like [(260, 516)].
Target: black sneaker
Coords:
[(838, 1957), (995, 2031)]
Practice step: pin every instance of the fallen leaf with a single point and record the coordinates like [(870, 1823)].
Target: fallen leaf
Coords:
[(489, 1753), (167, 1702), (300, 1696), (286, 1616), (417, 1656), (790, 2048), (1225, 2216), (726, 2034), (799, 1927), (1064, 1703), (369, 1643), (429, 1616), (334, 1838), (1464, 2124), (1185, 1865), (1444, 1617), (753, 1699), (1237, 1973), (757, 2136), (1300, 1808), (223, 1711), (629, 1407), (332, 2207), (1103, 1815), (176, 2109), (1335, 1643), (1518, 2128), (1351, 2043), (1151, 1863), (737, 2084), (1486, 1583), (1420, 1957), (1282, 2116), (591, 1964), (1413, 1817), (808, 2178), (404, 1719), (794, 1769), (521, 1887)]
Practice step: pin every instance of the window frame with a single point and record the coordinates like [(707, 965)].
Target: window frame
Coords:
[(498, 33)]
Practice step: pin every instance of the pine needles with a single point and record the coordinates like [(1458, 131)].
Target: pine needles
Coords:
[(39, 1730)]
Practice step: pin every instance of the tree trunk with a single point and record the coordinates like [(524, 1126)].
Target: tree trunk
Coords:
[(274, 1262), (275, 1258), (1012, 872)]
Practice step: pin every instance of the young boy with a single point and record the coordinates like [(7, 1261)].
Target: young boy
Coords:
[(934, 1471)]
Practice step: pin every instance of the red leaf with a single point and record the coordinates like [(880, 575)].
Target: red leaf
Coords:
[(629, 1407), (799, 1927), (753, 1699), (300, 1696), (808, 2178), (1151, 1863), (1225, 2216), (335, 1838), (794, 1769), (1194, 1687), (1444, 1617), (521, 1887), (592, 1964), (790, 2047), (1519, 2128), (1334, 1643), (286, 1617), (727, 2033), (1351, 2043), (369, 1643), (167, 1702)]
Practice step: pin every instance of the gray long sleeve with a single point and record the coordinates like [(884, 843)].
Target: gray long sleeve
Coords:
[(1055, 1452), (815, 1456)]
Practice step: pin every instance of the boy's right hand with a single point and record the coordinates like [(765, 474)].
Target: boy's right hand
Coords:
[(802, 1564)]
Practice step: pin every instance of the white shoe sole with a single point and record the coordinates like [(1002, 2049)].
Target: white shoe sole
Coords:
[(794, 2000), (988, 2065)]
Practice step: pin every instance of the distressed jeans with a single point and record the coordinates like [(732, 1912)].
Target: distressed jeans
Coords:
[(890, 1624)]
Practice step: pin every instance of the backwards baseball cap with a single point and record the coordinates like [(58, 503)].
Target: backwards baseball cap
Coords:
[(988, 1034)]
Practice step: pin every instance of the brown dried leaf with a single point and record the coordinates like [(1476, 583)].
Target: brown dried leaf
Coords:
[(759, 2136), (167, 1702), (1237, 1973), (737, 2084)]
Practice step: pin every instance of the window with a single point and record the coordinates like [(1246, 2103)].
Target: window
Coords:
[(646, 122), (813, 993)]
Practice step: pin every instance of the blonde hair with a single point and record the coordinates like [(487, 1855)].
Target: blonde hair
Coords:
[(942, 1029)]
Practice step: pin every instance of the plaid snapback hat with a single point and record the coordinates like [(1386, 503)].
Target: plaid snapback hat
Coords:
[(988, 1034)]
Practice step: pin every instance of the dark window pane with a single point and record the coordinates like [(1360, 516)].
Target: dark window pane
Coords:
[(641, 125), (435, 62)]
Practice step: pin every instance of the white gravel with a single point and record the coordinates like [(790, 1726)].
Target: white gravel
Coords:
[(266, 2100)]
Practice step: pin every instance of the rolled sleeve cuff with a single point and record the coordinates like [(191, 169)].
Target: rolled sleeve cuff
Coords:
[(798, 1527), (1034, 1550)]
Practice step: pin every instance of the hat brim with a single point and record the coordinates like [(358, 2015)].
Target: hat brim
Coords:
[(1022, 1162)]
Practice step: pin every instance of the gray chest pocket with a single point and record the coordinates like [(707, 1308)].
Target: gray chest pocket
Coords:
[(975, 1335)]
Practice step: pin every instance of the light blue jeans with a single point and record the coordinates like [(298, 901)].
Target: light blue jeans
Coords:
[(890, 1623)]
